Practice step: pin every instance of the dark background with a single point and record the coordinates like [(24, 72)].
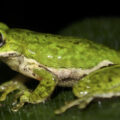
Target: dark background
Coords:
[(51, 17)]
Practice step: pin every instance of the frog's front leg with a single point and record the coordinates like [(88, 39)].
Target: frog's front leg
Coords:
[(43, 90), (17, 83)]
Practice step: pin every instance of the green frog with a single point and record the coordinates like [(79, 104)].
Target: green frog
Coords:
[(56, 60)]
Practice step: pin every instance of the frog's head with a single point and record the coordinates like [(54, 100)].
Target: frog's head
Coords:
[(9, 47), (7, 44)]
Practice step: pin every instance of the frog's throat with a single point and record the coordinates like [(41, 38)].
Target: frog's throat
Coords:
[(21, 64), (66, 76), (9, 54)]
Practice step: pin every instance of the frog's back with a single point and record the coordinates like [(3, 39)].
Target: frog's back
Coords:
[(59, 51)]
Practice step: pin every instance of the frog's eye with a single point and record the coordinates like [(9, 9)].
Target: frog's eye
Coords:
[(2, 42)]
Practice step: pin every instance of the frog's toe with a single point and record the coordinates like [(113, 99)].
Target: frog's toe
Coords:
[(17, 106), (85, 102), (67, 106), (23, 98), (81, 103), (4, 94), (7, 88)]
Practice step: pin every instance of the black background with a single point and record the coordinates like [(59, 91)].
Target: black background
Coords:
[(52, 16)]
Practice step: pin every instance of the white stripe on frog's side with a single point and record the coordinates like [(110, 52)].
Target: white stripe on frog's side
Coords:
[(26, 66), (78, 73), (68, 77)]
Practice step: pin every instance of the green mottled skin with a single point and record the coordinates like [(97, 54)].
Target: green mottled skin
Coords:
[(57, 51)]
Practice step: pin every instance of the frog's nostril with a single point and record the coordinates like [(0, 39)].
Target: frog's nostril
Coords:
[(2, 42)]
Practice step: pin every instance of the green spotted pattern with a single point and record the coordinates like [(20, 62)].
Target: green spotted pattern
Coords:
[(57, 51)]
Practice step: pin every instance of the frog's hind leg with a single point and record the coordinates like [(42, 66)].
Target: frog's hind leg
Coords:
[(80, 102), (15, 84), (42, 91)]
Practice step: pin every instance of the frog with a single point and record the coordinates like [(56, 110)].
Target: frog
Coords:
[(52, 60)]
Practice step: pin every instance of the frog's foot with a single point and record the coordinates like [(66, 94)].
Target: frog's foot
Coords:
[(10, 86), (40, 94), (81, 103)]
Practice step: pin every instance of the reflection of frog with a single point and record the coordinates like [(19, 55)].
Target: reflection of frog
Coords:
[(51, 59)]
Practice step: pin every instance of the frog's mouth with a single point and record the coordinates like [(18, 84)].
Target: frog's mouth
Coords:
[(9, 54)]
